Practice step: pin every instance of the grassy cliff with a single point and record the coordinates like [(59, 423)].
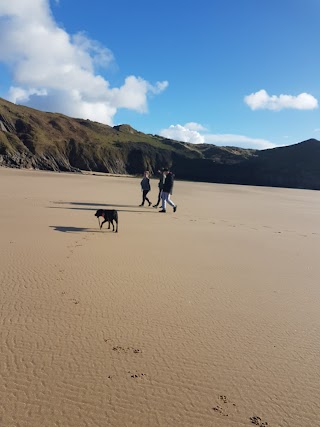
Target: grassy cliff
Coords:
[(34, 139)]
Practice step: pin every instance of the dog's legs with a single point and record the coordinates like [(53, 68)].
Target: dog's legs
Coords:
[(102, 223), (108, 225), (116, 226), (112, 225)]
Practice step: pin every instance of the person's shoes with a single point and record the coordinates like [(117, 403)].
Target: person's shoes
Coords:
[(162, 211), (141, 205), (150, 204), (155, 206), (175, 208)]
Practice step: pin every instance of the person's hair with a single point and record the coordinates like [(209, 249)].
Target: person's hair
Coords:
[(165, 170)]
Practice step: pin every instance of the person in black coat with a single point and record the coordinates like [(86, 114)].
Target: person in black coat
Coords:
[(145, 188), (160, 186), (167, 191)]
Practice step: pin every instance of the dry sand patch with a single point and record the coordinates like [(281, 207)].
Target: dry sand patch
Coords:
[(205, 317)]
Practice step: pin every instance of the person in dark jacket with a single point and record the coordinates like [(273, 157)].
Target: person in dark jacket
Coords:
[(145, 188), (160, 186), (167, 191)]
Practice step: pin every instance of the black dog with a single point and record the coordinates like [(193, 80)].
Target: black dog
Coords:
[(109, 215)]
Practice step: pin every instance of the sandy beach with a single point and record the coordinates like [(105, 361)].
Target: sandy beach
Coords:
[(204, 317)]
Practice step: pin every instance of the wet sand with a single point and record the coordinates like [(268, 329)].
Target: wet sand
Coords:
[(204, 317)]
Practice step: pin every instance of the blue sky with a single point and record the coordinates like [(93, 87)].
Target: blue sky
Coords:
[(229, 72)]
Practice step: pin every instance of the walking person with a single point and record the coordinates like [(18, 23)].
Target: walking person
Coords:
[(160, 186), (167, 191), (145, 187)]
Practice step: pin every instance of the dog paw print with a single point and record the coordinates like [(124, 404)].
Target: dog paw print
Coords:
[(220, 410), (257, 421), (136, 374), (224, 406), (120, 349), (223, 398)]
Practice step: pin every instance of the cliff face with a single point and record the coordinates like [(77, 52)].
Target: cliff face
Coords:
[(33, 139)]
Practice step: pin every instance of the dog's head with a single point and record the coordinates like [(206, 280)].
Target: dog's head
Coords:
[(99, 213)]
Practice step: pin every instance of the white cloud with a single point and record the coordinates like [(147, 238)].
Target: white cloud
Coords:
[(100, 55), (261, 100), (133, 94), (158, 87), (184, 133), (16, 93), (194, 126), (57, 71)]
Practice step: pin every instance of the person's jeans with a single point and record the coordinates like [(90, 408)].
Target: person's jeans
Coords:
[(166, 198)]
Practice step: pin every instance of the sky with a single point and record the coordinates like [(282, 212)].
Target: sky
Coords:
[(242, 73)]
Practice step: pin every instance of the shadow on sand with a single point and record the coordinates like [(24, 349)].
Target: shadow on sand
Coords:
[(94, 206), (99, 205), (74, 229)]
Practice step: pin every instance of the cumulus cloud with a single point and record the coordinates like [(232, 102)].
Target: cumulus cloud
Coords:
[(186, 133), (194, 126), (58, 72), (182, 133), (261, 100), (133, 93)]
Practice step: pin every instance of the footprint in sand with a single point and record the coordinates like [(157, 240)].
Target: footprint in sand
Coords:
[(120, 349), (257, 421), (136, 374), (219, 409), (224, 406)]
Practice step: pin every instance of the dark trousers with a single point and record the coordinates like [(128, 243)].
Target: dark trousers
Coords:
[(144, 197), (159, 198)]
